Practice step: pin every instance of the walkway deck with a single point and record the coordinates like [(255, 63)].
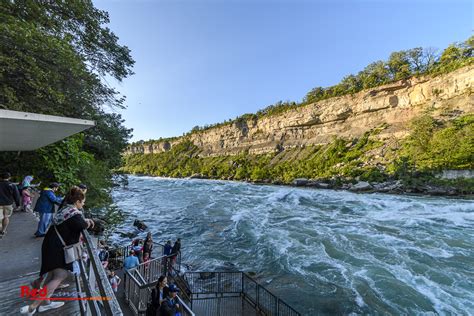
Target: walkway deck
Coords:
[(121, 296), (20, 255)]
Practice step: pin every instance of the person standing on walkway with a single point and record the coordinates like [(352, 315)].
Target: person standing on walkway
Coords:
[(158, 295), (45, 208), (8, 194), (167, 252), (170, 306), (131, 261), (26, 199), (114, 281), (27, 183), (167, 248), (68, 225), (176, 248), (82, 187), (148, 245)]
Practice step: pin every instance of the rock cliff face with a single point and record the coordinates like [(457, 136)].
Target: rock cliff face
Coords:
[(394, 105)]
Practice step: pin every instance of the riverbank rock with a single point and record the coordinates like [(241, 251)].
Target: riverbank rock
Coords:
[(361, 186), (323, 185), (390, 186), (99, 226), (140, 224), (128, 234), (300, 182), (196, 176), (438, 191)]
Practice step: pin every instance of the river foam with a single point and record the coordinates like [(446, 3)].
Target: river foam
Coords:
[(325, 252)]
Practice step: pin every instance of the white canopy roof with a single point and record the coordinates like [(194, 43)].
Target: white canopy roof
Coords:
[(22, 131)]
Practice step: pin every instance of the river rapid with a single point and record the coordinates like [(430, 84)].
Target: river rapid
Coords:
[(324, 252)]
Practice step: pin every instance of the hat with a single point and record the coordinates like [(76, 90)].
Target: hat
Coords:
[(54, 185), (173, 288)]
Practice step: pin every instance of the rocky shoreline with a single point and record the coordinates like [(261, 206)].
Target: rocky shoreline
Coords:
[(391, 187)]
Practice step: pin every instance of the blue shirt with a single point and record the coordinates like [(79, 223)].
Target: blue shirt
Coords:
[(46, 201), (130, 262)]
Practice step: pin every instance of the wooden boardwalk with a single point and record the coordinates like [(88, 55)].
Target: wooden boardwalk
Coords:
[(20, 255), (12, 302)]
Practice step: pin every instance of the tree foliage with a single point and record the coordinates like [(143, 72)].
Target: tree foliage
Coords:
[(54, 56), (433, 145), (400, 65)]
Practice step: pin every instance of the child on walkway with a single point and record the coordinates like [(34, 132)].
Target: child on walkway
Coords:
[(114, 281), (26, 199)]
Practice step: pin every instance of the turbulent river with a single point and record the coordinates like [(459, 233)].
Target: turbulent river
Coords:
[(324, 252)]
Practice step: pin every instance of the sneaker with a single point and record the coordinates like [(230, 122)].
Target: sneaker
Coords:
[(25, 310), (51, 305), (63, 286)]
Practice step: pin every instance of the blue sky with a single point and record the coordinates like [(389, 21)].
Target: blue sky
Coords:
[(202, 62)]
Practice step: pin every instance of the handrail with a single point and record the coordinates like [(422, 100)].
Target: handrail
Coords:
[(147, 289), (124, 250), (128, 272), (217, 284), (238, 282), (185, 307), (94, 276)]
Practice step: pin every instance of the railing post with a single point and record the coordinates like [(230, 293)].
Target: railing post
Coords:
[(82, 305), (242, 293), (111, 306), (257, 299), (92, 280), (91, 307)]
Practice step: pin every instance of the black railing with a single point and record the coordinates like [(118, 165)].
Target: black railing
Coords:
[(214, 282), (138, 287), (215, 292), (264, 301), (207, 293)]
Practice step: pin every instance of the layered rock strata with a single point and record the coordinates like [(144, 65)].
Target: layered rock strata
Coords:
[(393, 105)]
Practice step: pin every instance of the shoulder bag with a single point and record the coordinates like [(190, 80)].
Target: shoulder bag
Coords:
[(72, 252)]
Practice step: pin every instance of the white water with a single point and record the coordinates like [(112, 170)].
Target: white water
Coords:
[(321, 251)]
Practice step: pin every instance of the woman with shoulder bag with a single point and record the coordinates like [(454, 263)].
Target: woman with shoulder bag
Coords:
[(59, 247)]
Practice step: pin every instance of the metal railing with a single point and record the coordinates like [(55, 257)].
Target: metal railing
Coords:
[(219, 289), (216, 293), (136, 296), (118, 255), (139, 281), (212, 293), (92, 283), (138, 286)]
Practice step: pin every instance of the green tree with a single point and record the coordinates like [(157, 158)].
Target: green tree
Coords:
[(375, 74), (54, 56), (399, 65)]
